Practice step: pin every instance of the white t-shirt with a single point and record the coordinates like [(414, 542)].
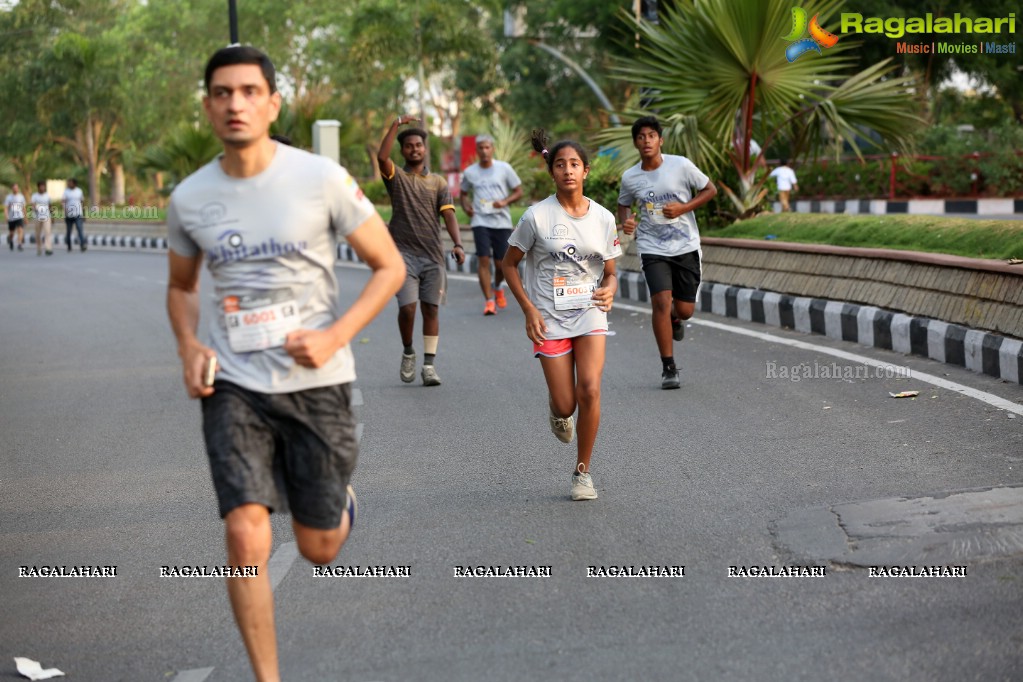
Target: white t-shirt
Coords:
[(270, 243), (488, 185), (15, 204), (564, 259), (41, 205), (786, 178), (73, 202), (677, 179)]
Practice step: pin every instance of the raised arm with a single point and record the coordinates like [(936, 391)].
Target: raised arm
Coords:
[(387, 144)]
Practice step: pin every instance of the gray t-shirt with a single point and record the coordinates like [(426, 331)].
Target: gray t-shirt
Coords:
[(676, 179), (270, 243), (488, 185), (565, 262)]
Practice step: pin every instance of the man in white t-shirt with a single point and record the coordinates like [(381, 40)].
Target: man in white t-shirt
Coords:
[(786, 179), (74, 213), (14, 211), (41, 207), (668, 189), (493, 186), (266, 219)]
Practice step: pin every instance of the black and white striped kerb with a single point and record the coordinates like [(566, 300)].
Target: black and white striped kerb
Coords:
[(978, 351), (982, 352), (907, 206), (109, 241)]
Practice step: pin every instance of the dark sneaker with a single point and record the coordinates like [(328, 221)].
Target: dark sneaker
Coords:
[(678, 329), (669, 379), (352, 505)]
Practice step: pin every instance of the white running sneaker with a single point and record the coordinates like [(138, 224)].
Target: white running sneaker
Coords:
[(408, 368), (582, 487), (430, 377), (563, 427)]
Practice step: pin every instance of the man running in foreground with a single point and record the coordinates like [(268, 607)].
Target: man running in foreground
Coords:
[(277, 421)]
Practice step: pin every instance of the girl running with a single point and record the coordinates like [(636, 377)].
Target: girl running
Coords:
[(570, 282)]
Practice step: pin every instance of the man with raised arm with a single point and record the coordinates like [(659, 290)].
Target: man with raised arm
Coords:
[(417, 198)]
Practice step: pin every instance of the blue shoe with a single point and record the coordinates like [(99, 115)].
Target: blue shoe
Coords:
[(352, 505)]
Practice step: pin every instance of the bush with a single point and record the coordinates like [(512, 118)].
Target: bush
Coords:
[(536, 185), (376, 192), (603, 182)]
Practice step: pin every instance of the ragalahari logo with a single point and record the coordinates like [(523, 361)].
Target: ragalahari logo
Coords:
[(818, 36)]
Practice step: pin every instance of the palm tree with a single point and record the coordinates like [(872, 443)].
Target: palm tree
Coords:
[(724, 63), (186, 149)]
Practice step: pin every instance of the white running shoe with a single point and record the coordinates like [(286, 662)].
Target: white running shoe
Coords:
[(430, 377), (582, 487), (408, 368)]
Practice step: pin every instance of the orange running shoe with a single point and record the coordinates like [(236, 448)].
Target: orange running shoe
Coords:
[(502, 302), (490, 308)]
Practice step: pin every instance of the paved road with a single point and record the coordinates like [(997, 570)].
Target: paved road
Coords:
[(102, 464)]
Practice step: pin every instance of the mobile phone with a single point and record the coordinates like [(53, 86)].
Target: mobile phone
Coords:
[(211, 371)]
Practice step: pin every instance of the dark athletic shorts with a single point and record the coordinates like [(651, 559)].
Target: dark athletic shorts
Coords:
[(491, 240), (12, 225), (680, 274), (282, 450)]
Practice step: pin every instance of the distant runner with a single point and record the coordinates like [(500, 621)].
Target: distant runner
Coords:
[(668, 189), (493, 186)]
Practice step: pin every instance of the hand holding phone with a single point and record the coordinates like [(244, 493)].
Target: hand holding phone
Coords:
[(210, 373)]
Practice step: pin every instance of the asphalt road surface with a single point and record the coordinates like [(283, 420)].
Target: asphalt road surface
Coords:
[(103, 465)]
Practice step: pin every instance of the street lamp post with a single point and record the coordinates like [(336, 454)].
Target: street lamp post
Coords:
[(232, 20)]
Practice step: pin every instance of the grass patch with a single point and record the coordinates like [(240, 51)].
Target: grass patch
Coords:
[(998, 239)]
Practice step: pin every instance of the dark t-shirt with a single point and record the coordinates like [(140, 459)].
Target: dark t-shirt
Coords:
[(416, 201)]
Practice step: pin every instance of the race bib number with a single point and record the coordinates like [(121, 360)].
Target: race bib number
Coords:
[(260, 320), (656, 214), (574, 292), (486, 207)]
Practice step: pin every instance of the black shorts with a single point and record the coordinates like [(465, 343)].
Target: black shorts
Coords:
[(13, 225), (491, 240), (680, 274), (282, 450)]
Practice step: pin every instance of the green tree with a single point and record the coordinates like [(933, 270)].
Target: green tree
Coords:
[(186, 149), (723, 62)]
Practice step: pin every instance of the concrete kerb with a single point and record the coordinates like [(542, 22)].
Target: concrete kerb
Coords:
[(950, 207), (982, 352)]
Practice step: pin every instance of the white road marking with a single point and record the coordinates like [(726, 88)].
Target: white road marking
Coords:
[(989, 398), (196, 675), (281, 562), (356, 397)]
